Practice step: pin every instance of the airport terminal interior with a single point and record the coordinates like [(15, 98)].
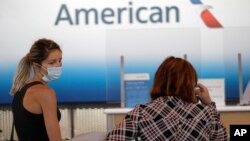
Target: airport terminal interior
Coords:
[(111, 50)]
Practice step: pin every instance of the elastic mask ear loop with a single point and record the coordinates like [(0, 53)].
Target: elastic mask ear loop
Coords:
[(196, 92), (42, 68)]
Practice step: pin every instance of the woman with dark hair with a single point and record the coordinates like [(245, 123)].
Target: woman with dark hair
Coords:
[(34, 106), (175, 112)]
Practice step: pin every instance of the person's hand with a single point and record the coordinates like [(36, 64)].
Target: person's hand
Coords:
[(203, 94)]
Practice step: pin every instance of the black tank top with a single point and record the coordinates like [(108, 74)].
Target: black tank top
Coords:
[(29, 126)]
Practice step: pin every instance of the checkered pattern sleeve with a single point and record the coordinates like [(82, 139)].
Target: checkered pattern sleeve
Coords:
[(218, 131), (127, 129)]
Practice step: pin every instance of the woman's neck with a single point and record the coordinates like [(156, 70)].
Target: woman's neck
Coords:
[(37, 78)]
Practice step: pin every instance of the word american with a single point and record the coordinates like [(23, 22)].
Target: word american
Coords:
[(120, 15)]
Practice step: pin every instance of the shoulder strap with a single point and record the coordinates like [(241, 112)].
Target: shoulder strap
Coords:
[(32, 84), (26, 86)]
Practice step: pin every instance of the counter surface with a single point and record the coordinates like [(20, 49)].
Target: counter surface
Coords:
[(219, 108)]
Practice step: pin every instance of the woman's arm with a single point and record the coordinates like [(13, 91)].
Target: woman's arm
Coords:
[(218, 130), (47, 99)]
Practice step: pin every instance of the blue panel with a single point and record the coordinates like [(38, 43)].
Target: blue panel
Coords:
[(86, 83), (5, 84)]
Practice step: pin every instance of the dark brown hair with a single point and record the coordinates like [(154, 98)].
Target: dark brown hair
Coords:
[(174, 77)]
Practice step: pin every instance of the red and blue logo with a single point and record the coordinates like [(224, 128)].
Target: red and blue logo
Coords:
[(207, 17)]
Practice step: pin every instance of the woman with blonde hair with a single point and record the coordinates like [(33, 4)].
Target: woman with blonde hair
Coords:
[(35, 112)]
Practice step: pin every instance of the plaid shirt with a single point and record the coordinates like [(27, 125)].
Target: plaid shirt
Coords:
[(170, 118)]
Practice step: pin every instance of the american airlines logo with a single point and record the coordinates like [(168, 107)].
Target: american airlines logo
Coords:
[(207, 17)]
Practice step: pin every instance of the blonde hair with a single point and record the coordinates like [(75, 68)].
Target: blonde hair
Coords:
[(38, 52), (22, 74)]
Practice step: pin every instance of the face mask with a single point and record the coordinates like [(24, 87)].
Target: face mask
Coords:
[(54, 73)]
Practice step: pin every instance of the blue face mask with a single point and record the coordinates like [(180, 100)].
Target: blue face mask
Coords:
[(54, 73)]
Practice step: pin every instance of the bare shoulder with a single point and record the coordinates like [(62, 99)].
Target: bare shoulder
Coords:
[(43, 93)]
